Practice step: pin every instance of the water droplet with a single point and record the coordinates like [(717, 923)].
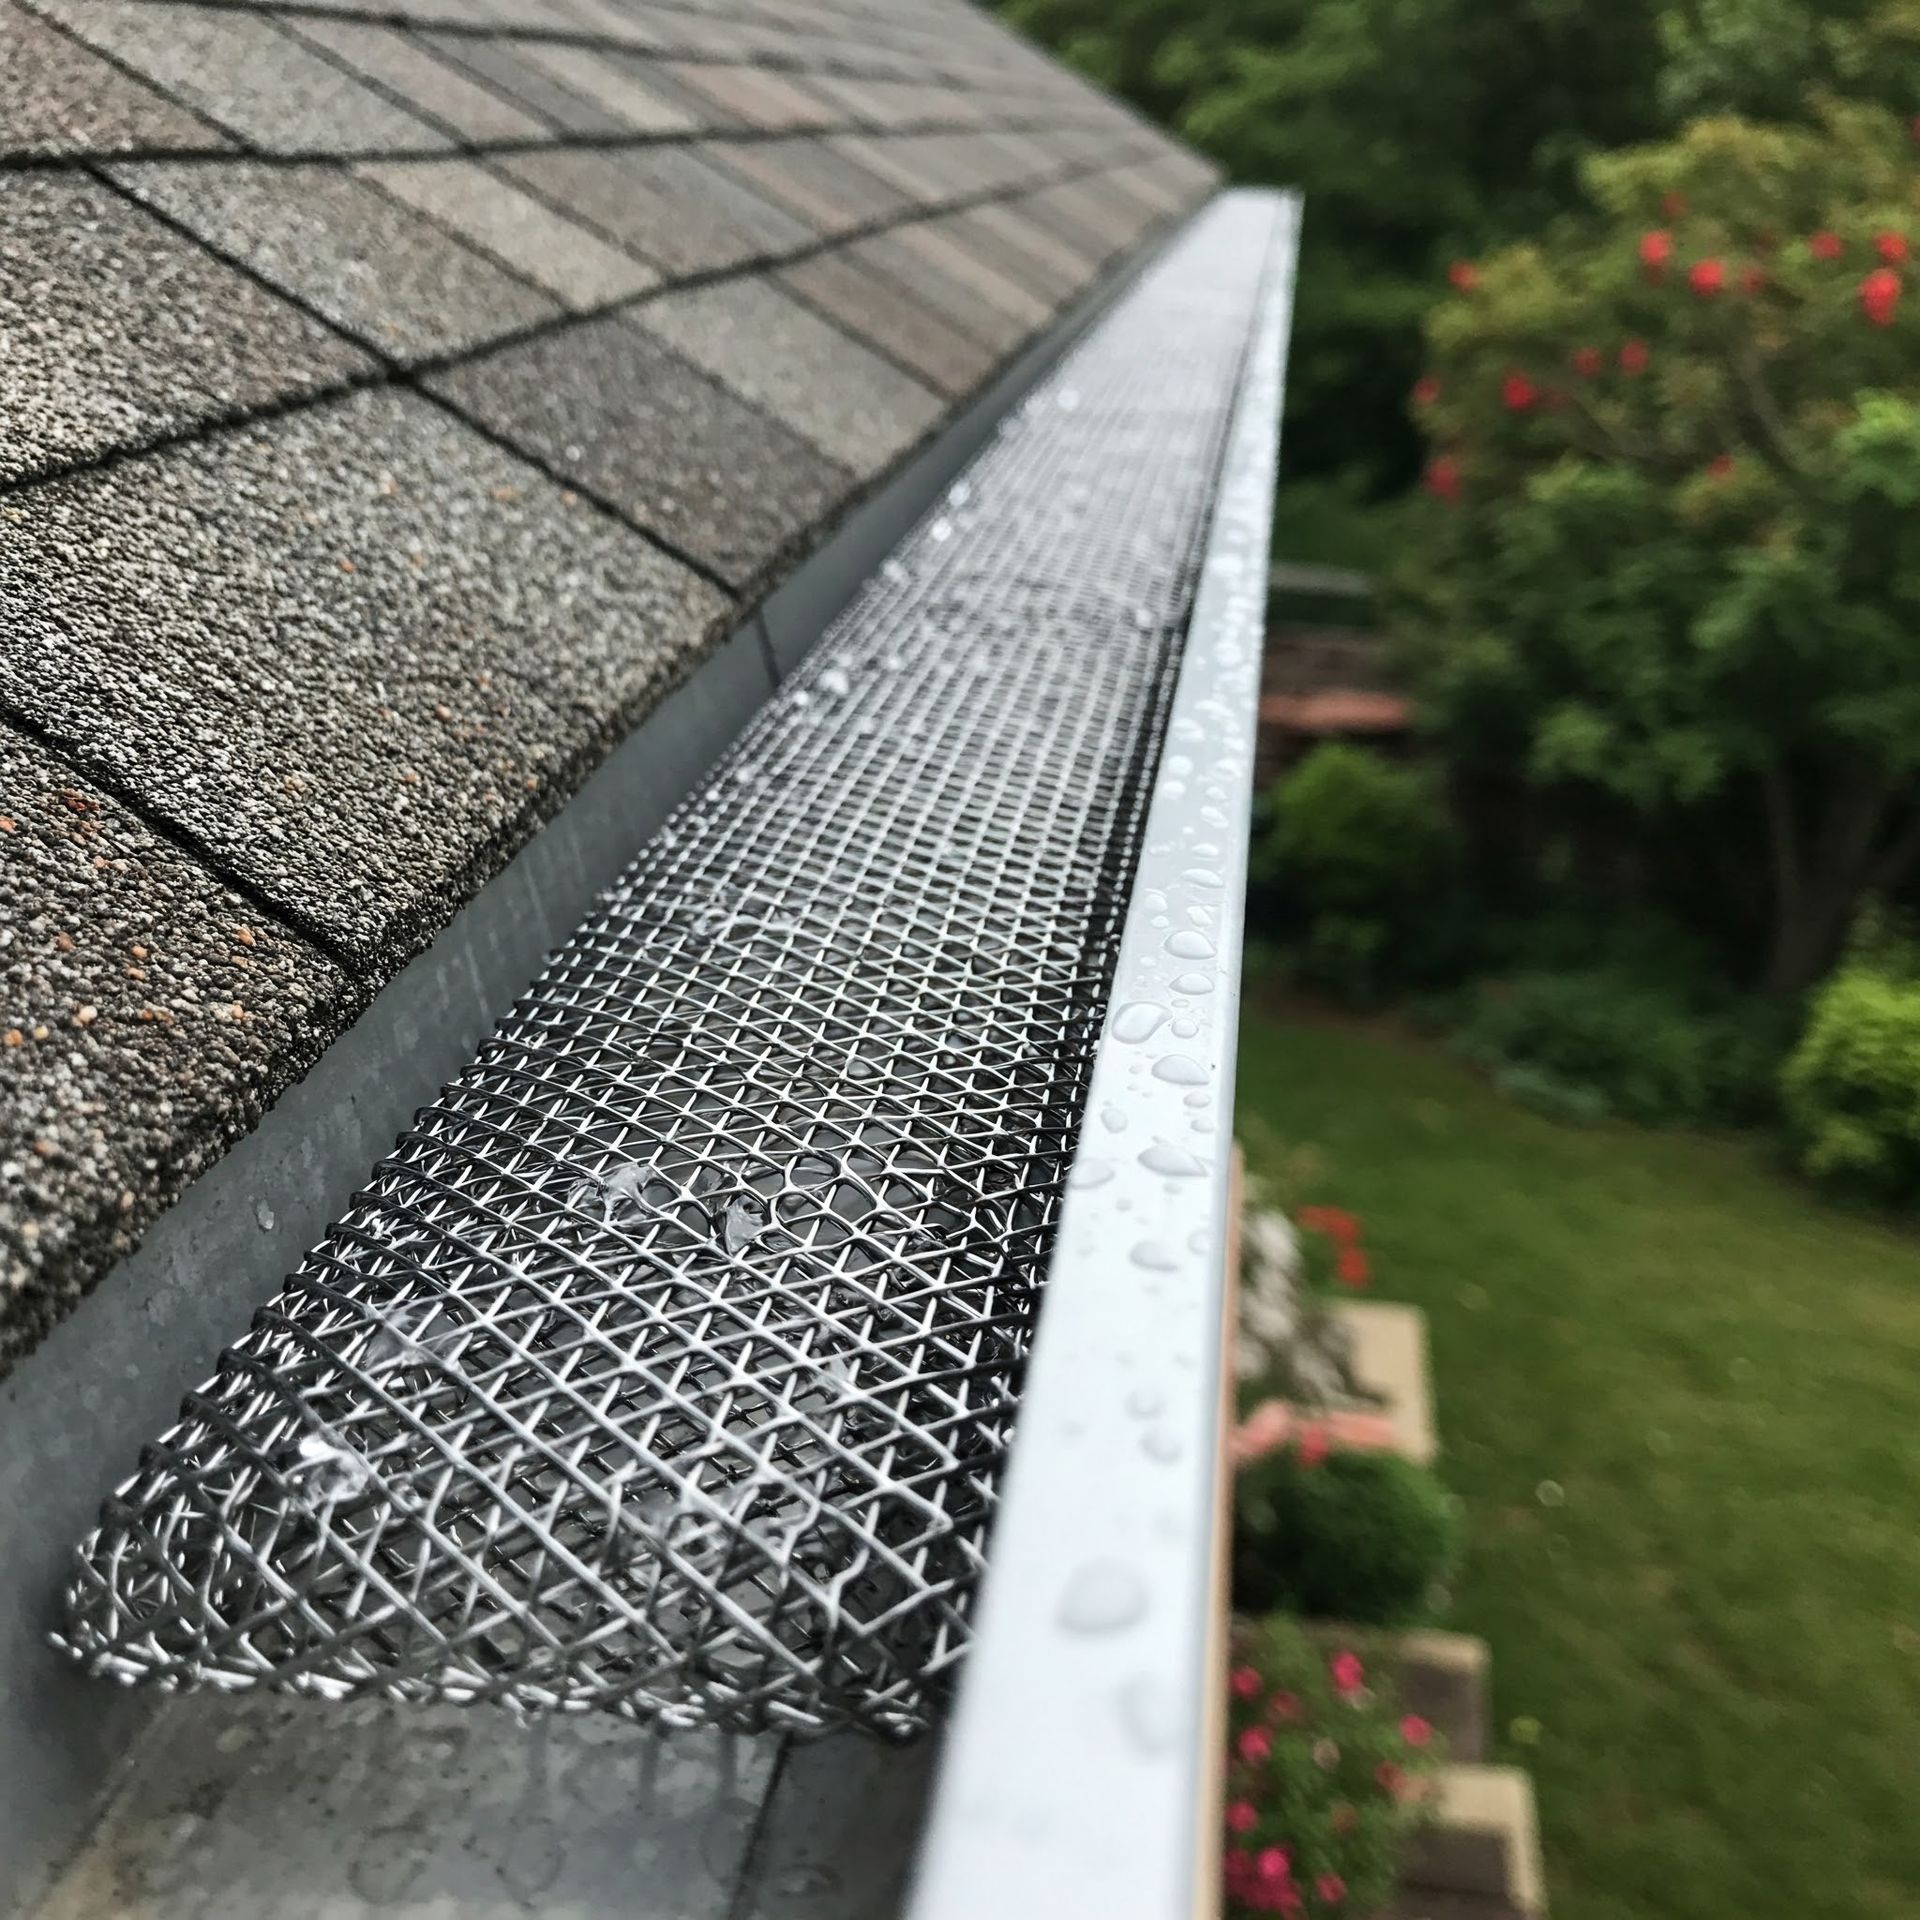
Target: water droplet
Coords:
[(1150, 1713), (1186, 1027), (798, 1880), (1144, 1403), (800, 698), (1113, 1119), (1198, 1098), (1102, 1597), (1180, 1070), (1193, 983), (835, 682), (1188, 944), (1153, 1256), (1203, 877), (942, 529), (1158, 1444), (1090, 1173), (264, 1214), (893, 573), (1550, 1493), (1138, 1020), (1176, 1163), (745, 1219), (960, 493), (1066, 399), (327, 1473)]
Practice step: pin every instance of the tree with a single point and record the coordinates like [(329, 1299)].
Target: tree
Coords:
[(1419, 131), (1673, 551)]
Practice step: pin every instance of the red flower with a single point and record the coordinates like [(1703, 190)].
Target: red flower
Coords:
[(1352, 1269), (1390, 1777), (1720, 467), (1335, 1222), (1656, 249), (1633, 356), (1891, 247), (1517, 393), (1673, 205), (1241, 1818), (1706, 278), (1415, 1731), (1587, 361), (1349, 1674), (1284, 1707), (1245, 1681), (1879, 295), (1313, 1443), (1753, 280), (1254, 1745), (1442, 479), (1426, 390), (1825, 246), (1331, 1888), (1464, 276), (1273, 1863)]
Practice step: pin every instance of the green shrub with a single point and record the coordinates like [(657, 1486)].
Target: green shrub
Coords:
[(1587, 1042), (1358, 858), (1324, 1781), (1355, 1536), (1851, 1089)]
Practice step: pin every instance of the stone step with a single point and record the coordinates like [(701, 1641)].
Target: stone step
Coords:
[(1390, 1359), (1443, 1677), (1484, 1841)]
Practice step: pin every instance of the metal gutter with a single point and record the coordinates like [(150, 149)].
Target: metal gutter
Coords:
[(1079, 1775)]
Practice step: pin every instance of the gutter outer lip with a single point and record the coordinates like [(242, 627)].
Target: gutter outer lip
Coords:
[(1080, 1777)]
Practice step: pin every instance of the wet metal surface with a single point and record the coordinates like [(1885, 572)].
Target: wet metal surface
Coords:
[(667, 1365)]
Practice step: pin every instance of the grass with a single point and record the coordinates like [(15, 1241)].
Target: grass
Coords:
[(1681, 1401)]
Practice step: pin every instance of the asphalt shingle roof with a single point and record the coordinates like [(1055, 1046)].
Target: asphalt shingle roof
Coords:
[(399, 402)]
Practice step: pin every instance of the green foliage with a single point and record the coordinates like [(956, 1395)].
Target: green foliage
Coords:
[(1419, 130), (1323, 1782), (1581, 1044), (1673, 559), (1356, 1536), (1852, 1087), (1359, 852)]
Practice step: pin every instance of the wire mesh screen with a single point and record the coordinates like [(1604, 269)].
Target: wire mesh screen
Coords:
[(666, 1365)]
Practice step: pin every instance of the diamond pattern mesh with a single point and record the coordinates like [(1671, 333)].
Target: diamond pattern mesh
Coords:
[(666, 1364)]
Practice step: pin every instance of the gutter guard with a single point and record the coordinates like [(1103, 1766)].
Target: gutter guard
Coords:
[(667, 1365)]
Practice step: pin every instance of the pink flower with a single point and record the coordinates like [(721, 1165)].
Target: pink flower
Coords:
[(1313, 1443), (1891, 247), (1349, 1674), (1673, 205), (1335, 1222), (1353, 1269), (1241, 1817), (1246, 1681), (1415, 1731), (1331, 1888), (1463, 276), (1273, 1863), (1656, 249), (1517, 393), (1284, 1708), (1720, 467), (1825, 246), (1254, 1745), (1587, 362), (1390, 1778), (1633, 356), (1753, 280), (1442, 479), (1706, 278), (1426, 390)]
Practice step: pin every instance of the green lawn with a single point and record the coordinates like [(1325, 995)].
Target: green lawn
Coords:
[(1714, 1612)]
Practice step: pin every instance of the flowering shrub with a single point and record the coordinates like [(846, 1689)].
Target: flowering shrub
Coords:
[(1324, 1779), (1675, 560), (1341, 1534)]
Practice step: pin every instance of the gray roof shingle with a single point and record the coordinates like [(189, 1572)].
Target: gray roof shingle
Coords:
[(186, 339), (403, 394)]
